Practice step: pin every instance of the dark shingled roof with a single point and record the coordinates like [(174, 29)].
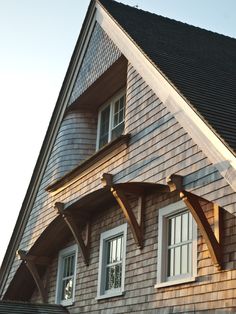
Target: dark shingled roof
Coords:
[(12, 307), (199, 63)]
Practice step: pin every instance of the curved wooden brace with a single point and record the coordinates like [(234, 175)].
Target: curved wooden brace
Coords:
[(192, 202), (212, 238), (77, 234), (28, 260), (137, 225)]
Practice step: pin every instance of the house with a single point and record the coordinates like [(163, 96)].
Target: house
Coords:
[(132, 204)]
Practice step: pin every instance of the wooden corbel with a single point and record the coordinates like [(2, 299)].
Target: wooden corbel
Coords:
[(77, 234), (175, 182), (213, 244), (137, 225), (30, 262), (212, 238)]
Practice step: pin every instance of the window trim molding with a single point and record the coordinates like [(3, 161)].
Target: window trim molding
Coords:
[(109, 103), (71, 249), (112, 233), (163, 214)]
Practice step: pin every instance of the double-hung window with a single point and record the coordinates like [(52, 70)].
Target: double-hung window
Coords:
[(66, 275), (111, 120), (177, 245), (112, 262)]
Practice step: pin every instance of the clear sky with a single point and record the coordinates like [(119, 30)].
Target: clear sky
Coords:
[(37, 38)]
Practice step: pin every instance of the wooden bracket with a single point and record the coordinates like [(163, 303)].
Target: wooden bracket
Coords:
[(212, 240), (137, 225), (77, 234), (29, 262)]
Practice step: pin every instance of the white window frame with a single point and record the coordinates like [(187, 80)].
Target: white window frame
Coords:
[(106, 236), (69, 250), (110, 103), (162, 259)]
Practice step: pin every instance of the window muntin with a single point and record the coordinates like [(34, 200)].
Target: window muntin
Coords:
[(177, 245), (112, 262), (111, 120), (66, 275)]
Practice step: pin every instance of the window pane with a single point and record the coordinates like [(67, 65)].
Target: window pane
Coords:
[(177, 261), (170, 263), (185, 227), (117, 131), (190, 227), (113, 276), (177, 229), (190, 256), (171, 229), (104, 126), (67, 289), (184, 259), (118, 116), (68, 265)]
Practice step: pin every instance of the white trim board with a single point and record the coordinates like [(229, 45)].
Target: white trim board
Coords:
[(222, 158)]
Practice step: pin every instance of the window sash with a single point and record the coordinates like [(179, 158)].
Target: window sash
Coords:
[(66, 275), (185, 241), (112, 262), (111, 126)]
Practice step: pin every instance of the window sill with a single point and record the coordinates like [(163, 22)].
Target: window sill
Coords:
[(67, 303), (175, 282), (110, 295), (111, 148)]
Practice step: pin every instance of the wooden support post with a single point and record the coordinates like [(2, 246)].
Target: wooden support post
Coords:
[(34, 272), (136, 226), (192, 202), (77, 234)]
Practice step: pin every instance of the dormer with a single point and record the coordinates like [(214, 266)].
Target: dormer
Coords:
[(95, 112)]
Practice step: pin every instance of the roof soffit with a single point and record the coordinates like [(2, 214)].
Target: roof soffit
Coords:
[(202, 134)]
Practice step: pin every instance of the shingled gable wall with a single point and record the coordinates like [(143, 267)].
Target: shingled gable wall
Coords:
[(159, 146)]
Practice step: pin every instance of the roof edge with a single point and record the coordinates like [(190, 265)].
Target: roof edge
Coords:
[(204, 135), (44, 155)]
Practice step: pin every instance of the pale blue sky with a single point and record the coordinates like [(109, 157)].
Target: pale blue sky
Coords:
[(37, 38)]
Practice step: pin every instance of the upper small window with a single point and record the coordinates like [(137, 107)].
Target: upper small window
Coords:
[(111, 120), (112, 262), (177, 245), (66, 275)]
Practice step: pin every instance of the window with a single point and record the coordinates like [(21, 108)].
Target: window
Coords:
[(111, 120), (66, 275), (177, 245), (112, 262)]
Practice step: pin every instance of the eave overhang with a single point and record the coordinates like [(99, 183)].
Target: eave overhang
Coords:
[(57, 234)]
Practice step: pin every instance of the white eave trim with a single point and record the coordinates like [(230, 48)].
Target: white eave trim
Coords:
[(212, 146)]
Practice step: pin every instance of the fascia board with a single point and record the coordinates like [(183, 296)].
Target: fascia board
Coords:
[(213, 147), (47, 145)]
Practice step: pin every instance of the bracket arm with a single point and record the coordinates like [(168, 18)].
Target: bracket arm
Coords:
[(195, 208), (135, 225), (77, 234), (34, 273)]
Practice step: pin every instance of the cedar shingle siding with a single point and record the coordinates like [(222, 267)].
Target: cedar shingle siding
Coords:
[(156, 146)]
